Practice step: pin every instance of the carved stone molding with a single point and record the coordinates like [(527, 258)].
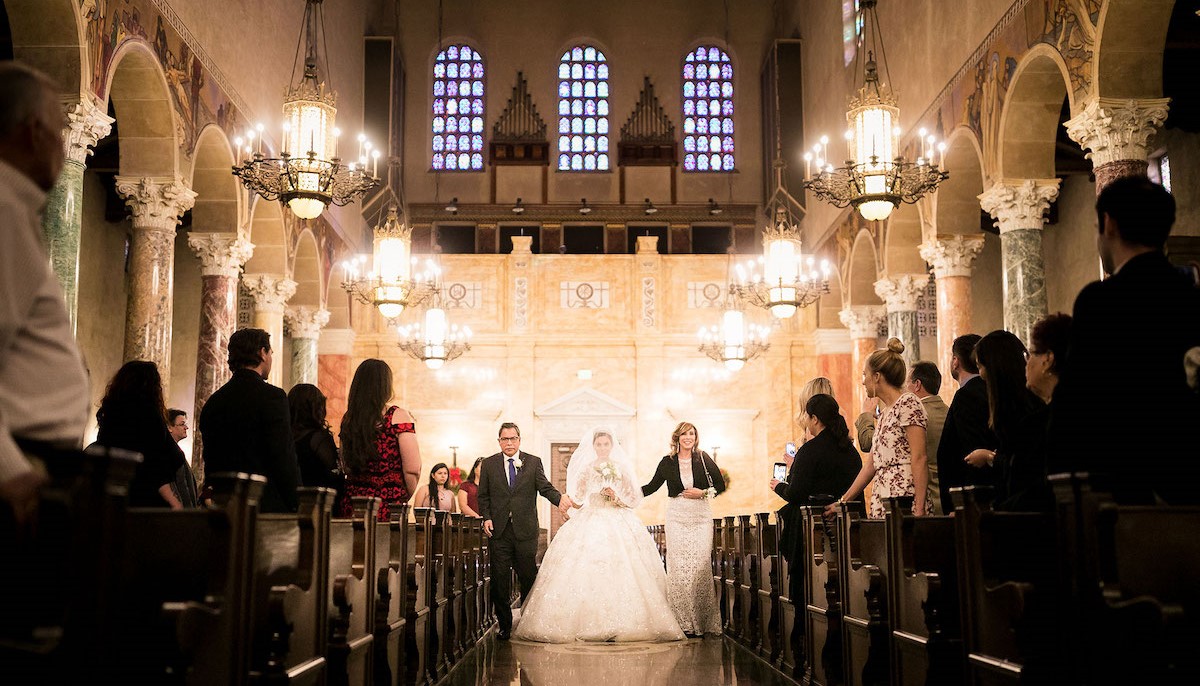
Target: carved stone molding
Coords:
[(583, 295), (86, 125), (1112, 129), (863, 321), (899, 293), (952, 255), (157, 203), (220, 254), (1019, 204), (270, 291), (305, 322), (648, 301)]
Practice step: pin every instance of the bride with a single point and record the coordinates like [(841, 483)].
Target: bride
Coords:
[(601, 578)]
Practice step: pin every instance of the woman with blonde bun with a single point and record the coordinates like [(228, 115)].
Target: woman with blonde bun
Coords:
[(898, 464)]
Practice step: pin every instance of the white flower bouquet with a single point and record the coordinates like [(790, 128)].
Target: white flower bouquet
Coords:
[(710, 493), (608, 473)]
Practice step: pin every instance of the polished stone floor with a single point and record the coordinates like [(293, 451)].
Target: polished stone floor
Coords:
[(715, 661)]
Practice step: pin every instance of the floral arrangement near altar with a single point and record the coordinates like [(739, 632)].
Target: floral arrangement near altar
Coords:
[(457, 476)]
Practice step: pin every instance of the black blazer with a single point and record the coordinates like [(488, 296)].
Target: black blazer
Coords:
[(668, 472), (821, 467), (143, 430), (966, 429), (516, 506), (246, 427)]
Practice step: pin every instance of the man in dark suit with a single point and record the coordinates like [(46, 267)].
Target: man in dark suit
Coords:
[(246, 425), (1123, 408), (509, 483), (966, 426)]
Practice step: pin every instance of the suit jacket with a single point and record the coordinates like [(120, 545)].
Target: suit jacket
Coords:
[(517, 505), (246, 427), (936, 411), (965, 429), (1122, 405), (821, 467)]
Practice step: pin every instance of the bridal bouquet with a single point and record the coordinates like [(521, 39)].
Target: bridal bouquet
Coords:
[(710, 493), (608, 473)]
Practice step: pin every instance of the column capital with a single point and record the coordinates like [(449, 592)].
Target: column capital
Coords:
[(305, 322), (157, 203), (1116, 129), (86, 125), (522, 245), (952, 255), (900, 292), (1019, 203), (863, 320), (270, 291), (220, 254)]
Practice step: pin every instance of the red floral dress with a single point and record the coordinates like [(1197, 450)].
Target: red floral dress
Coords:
[(892, 454), (382, 477)]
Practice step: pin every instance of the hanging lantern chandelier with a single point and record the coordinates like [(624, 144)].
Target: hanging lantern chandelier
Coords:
[(309, 174), (782, 280), (438, 341), (391, 285), (735, 342), (876, 177)]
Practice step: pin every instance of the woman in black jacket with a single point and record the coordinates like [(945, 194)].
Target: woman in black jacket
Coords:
[(133, 416), (316, 452)]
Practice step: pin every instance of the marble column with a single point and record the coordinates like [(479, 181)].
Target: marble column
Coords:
[(62, 223), (864, 322), (835, 361), (1116, 133), (335, 350), (899, 294), (1019, 208), (951, 257), (221, 258), (271, 292), (157, 205), (304, 327)]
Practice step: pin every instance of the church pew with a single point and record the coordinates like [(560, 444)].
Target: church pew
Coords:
[(923, 577), (419, 578), (863, 550), (391, 559), (769, 642), (790, 660), (487, 616), (718, 565), (823, 607), (456, 578), (352, 595), (290, 593), (436, 640), (747, 586), (732, 609), (474, 579)]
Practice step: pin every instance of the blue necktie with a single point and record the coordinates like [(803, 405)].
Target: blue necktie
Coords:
[(512, 473)]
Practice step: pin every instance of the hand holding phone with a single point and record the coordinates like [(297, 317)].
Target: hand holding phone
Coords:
[(791, 449), (780, 471)]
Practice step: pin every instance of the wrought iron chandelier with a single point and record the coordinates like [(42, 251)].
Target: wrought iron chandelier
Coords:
[(309, 173), (391, 285), (736, 341), (876, 177), (438, 341), (782, 280)]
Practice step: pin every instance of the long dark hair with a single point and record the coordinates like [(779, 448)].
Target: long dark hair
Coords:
[(826, 410), (1002, 356), (369, 392), (434, 500), (136, 387), (474, 468), (307, 404)]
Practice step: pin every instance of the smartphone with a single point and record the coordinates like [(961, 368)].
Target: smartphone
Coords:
[(780, 471), (791, 449)]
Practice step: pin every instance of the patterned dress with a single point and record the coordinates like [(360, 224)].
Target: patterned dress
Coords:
[(689, 561), (891, 452), (382, 477)]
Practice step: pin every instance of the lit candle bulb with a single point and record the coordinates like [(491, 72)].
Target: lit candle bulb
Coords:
[(375, 163), (259, 129), (287, 130), (808, 158), (942, 154), (237, 144), (362, 138), (336, 134)]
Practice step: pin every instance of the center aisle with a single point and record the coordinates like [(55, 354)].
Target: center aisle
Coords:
[(697, 661)]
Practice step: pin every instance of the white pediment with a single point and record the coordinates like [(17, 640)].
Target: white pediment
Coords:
[(586, 402)]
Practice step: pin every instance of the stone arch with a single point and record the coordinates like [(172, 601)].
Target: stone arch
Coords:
[(832, 302), (219, 202), (1029, 122), (901, 240), (268, 233), (1130, 36), (307, 272), (957, 198), (863, 272), (138, 91), (49, 35)]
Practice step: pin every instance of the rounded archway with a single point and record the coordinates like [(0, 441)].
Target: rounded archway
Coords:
[(137, 88), (48, 35), (1030, 119), (957, 203), (1130, 36)]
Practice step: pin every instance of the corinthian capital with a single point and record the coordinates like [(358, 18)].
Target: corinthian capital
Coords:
[(1019, 204), (305, 322), (270, 291), (899, 293), (221, 254), (952, 255), (863, 320), (157, 203), (86, 125), (1112, 129)]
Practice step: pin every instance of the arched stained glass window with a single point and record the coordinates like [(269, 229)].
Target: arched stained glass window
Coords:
[(458, 109), (708, 111), (583, 110), (852, 28)]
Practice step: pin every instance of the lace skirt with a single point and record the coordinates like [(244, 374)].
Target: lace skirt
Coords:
[(689, 566)]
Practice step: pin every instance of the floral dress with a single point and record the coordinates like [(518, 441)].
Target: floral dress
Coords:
[(382, 477), (891, 453)]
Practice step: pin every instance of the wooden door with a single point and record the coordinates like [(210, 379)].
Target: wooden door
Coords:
[(560, 456)]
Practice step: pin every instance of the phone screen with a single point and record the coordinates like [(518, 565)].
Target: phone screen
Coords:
[(780, 471), (791, 449)]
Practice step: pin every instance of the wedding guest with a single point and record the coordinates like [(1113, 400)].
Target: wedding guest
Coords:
[(177, 423), (815, 386), (966, 426), (693, 479), (185, 481), (246, 425), (898, 464), (316, 452), (132, 416), (924, 381), (864, 424), (468, 491), (444, 500), (1019, 420), (379, 442), (43, 384), (1048, 342)]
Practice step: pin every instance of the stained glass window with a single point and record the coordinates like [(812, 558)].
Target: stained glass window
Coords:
[(458, 109), (852, 28), (708, 111), (583, 110)]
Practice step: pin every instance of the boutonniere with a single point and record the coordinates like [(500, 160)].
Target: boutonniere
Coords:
[(518, 462)]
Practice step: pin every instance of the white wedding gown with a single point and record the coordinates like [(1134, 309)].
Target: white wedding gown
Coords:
[(601, 578)]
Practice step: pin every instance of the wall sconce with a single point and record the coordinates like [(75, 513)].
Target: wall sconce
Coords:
[(650, 208), (584, 209), (518, 208), (453, 206)]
